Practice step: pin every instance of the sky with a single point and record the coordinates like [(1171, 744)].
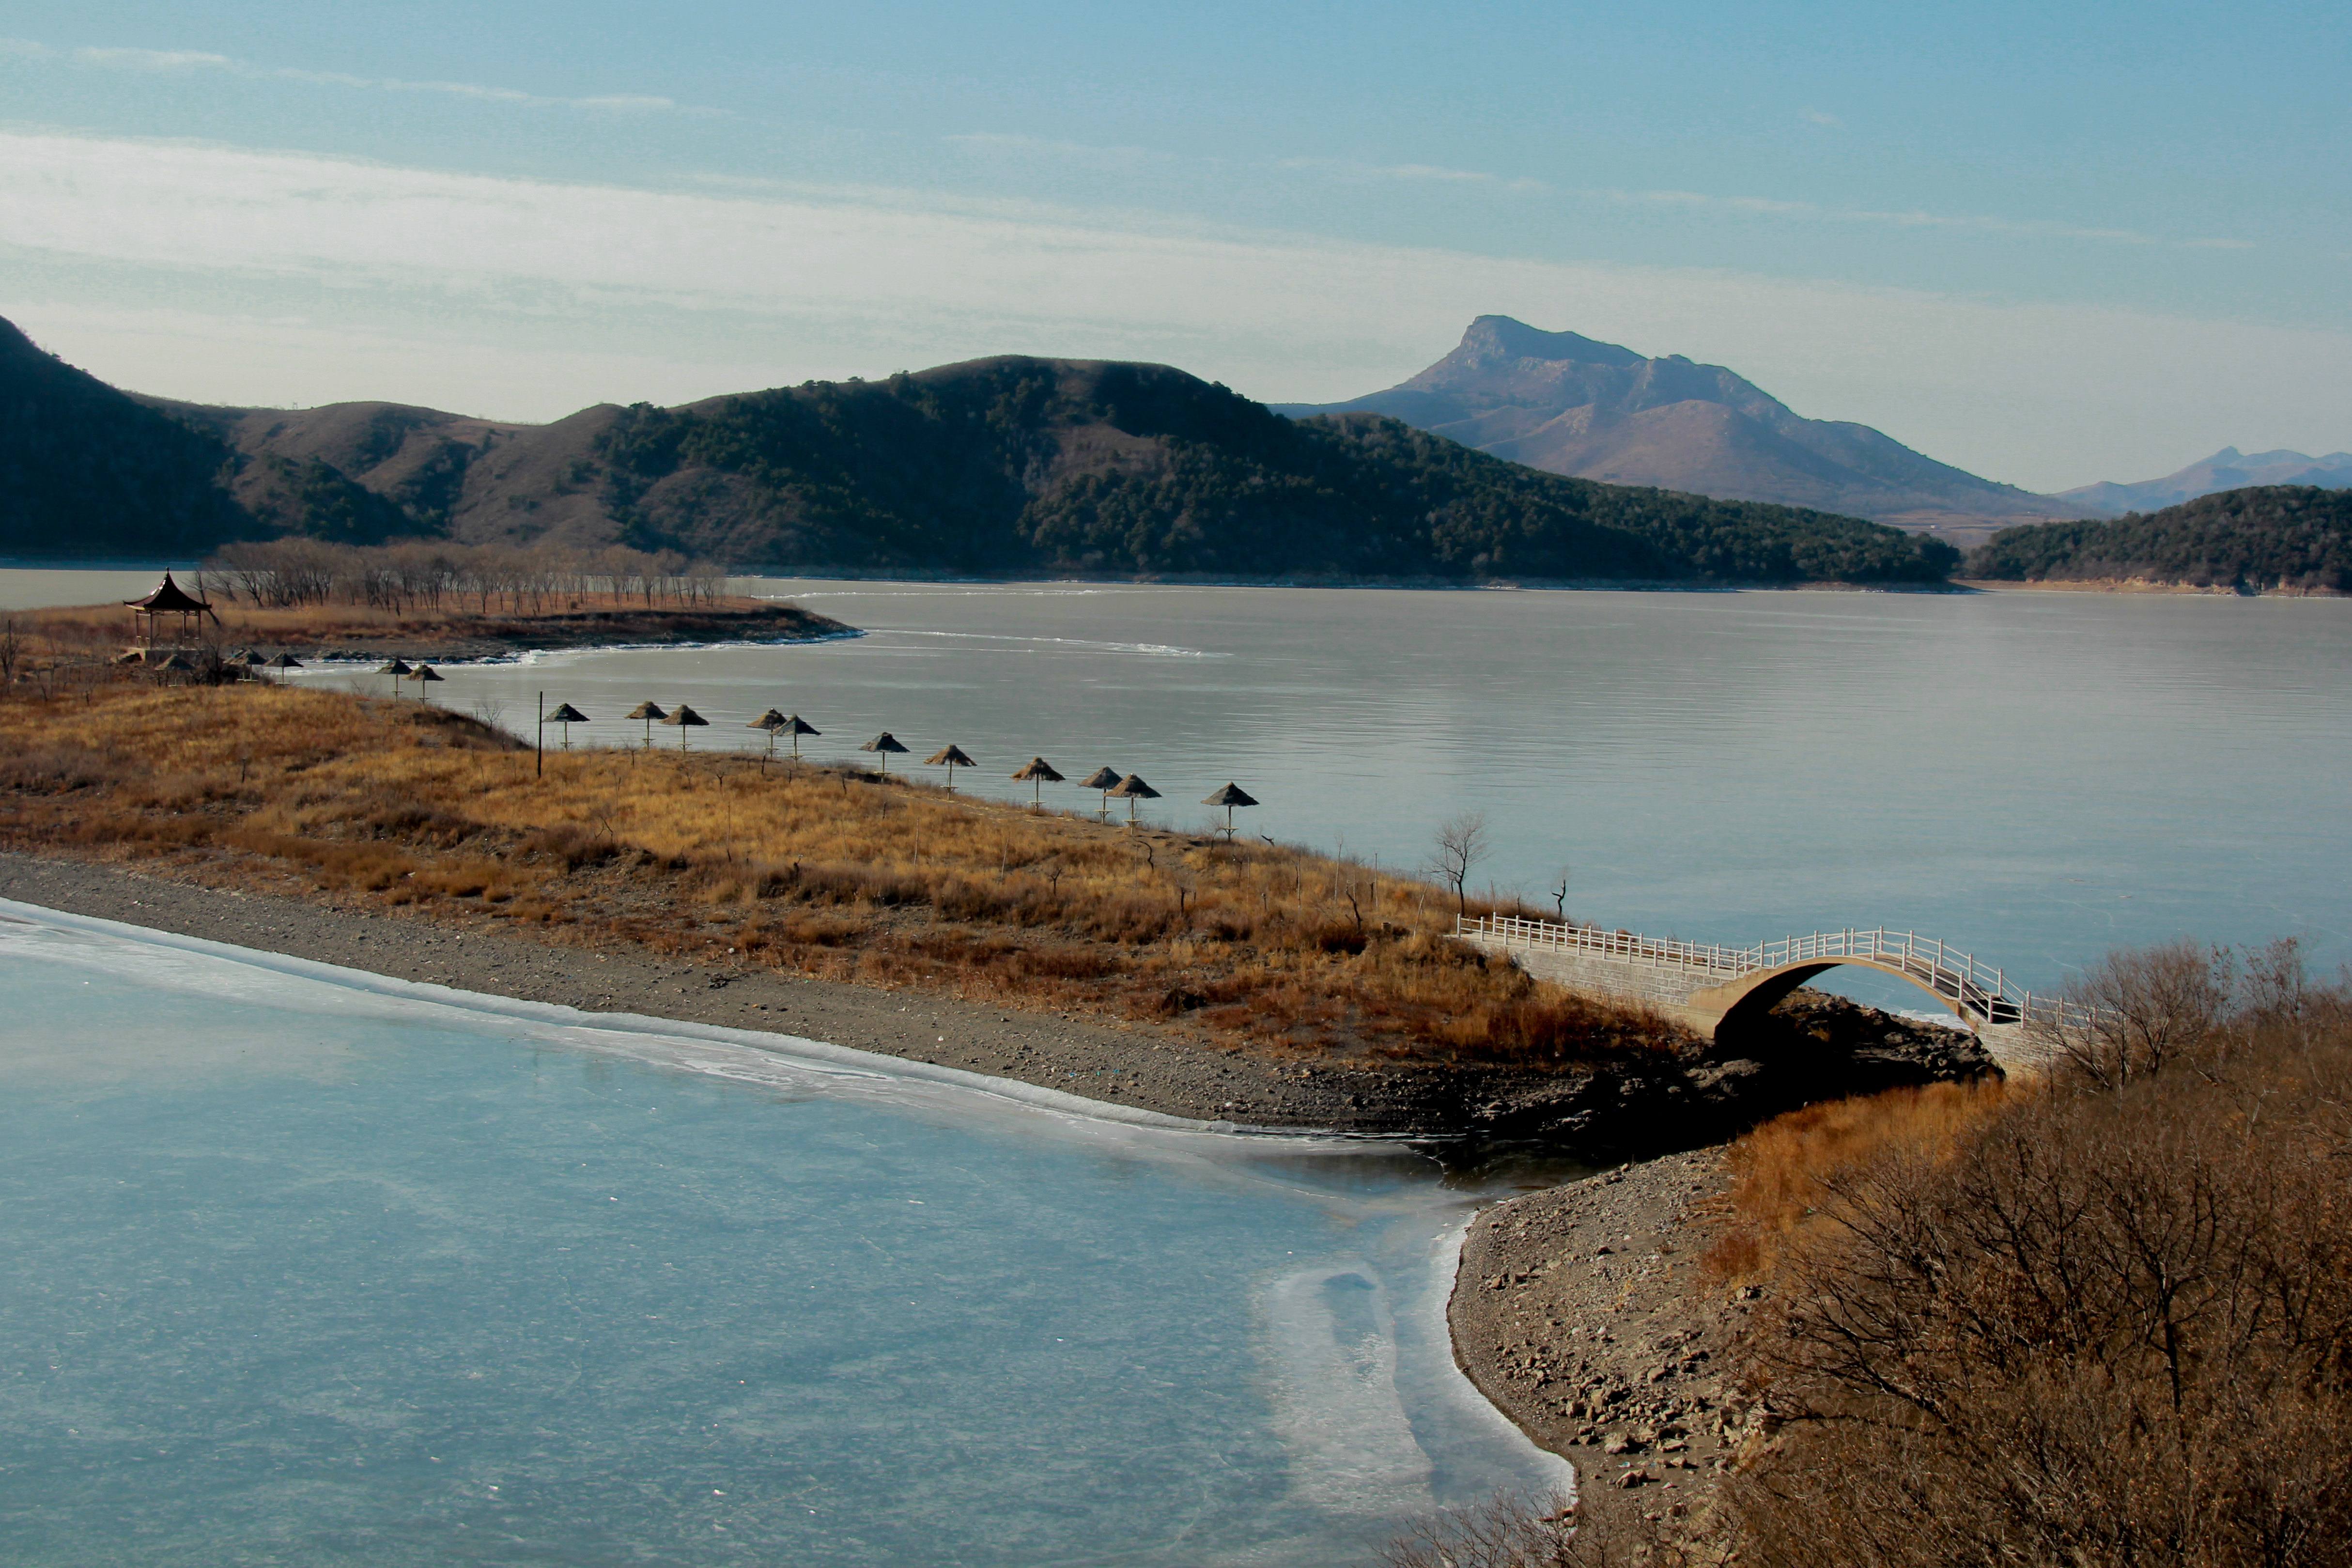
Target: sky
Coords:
[(2049, 244)]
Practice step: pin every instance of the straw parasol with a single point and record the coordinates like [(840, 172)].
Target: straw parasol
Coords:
[(795, 726), (566, 715), (1232, 796), (424, 675), (1131, 789), (771, 722), (884, 743), (951, 758), (648, 712), (1039, 772), (397, 670), (685, 718), (178, 662), (282, 663), (1105, 780)]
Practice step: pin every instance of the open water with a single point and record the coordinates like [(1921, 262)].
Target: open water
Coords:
[(307, 1268), (2034, 777)]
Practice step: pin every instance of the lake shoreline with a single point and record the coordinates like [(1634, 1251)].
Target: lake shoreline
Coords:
[(351, 632), (1165, 1069)]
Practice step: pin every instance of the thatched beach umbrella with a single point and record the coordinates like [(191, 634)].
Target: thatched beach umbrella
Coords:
[(178, 664), (566, 715), (1232, 796), (424, 675), (685, 718), (649, 712), (795, 726), (951, 758), (397, 670), (771, 722), (282, 663), (1131, 789), (1039, 772), (883, 744), (1105, 780)]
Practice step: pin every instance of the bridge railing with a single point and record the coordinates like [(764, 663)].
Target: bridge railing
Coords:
[(1978, 989)]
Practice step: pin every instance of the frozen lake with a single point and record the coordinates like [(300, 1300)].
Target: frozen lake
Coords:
[(308, 1270)]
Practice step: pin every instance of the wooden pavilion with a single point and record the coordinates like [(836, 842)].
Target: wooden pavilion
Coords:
[(168, 599)]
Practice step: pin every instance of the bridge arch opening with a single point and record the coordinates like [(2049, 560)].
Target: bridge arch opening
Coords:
[(1741, 1004)]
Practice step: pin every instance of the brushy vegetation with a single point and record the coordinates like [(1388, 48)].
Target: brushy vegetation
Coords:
[(2110, 1322), (1776, 1170), (2101, 1318), (1022, 464), (2263, 537), (396, 805), (290, 573)]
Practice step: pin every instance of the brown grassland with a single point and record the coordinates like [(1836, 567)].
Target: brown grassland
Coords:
[(396, 805)]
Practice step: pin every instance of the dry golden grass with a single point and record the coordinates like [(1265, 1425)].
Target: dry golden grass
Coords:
[(1777, 1169), (827, 872)]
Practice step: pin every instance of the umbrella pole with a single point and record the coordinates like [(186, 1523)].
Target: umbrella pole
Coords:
[(539, 766)]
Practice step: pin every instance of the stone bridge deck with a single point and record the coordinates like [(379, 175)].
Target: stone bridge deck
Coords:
[(1709, 987)]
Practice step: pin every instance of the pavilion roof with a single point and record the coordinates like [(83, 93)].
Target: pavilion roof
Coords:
[(168, 595)]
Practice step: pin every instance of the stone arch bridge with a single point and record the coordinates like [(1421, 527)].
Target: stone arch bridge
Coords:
[(1710, 987)]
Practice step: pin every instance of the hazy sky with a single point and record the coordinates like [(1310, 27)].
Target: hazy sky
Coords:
[(2050, 242)]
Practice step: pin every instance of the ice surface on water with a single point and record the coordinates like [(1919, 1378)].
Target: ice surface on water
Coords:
[(309, 1272)]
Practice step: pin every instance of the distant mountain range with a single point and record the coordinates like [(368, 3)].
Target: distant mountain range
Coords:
[(1569, 404), (1007, 465), (2227, 469)]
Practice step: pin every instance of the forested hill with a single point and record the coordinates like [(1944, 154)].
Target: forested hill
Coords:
[(1010, 466), (1025, 464), (85, 470), (2276, 537)]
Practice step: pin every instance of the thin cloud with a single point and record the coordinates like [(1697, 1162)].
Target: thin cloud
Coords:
[(154, 59), (184, 61), (769, 289), (1350, 170), (2031, 228), (1816, 117)]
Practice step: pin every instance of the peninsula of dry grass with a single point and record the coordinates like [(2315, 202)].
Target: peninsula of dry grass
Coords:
[(392, 804)]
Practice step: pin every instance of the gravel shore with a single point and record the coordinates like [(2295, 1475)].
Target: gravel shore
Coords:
[(1581, 1312)]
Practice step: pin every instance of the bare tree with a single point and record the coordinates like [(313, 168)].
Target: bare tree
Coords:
[(2141, 1011), (1461, 844), (12, 652), (1560, 893)]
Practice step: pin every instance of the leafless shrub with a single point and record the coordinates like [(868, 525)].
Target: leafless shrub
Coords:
[(2141, 1011), (2113, 1326)]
